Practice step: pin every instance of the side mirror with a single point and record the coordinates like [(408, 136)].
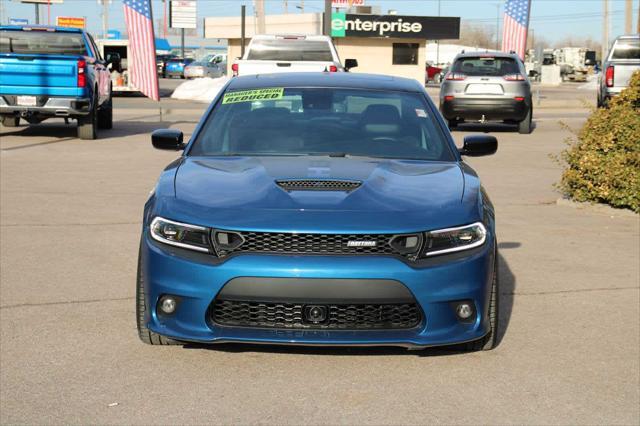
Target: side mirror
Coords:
[(350, 63), (479, 145), (169, 139)]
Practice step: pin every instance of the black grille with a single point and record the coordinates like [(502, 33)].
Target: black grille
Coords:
[(318, 185), (274, 242), (290, 315)]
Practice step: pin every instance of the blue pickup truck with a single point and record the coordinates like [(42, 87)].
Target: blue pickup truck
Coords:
[(50, 72)]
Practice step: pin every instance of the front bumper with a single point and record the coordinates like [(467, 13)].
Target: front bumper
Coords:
[(47, 106), (490, 108), (175, 73), (197, 279)]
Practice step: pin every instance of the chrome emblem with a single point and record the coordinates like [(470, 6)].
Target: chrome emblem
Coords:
[(361, 244)]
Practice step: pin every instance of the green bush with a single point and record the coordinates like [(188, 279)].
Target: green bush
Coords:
[(604, 162)]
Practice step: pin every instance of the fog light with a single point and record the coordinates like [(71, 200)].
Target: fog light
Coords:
[(168, 305), (464, 311)]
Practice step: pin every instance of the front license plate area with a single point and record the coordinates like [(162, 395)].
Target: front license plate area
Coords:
[(26, 100), (484, 89)]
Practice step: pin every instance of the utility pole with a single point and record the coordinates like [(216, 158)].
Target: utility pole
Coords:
[(628, 11), (182, 43), (105, 18), (243, 14), (438, 42), (605, 29), (497, 26), (37, 13), (326, 20), (259, 5), (285, 6)]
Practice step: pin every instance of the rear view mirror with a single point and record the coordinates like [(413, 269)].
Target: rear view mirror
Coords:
[(350, 63), (479, 145), (168, 139)]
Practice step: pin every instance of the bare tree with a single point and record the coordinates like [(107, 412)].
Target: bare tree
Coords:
[(476, 35)]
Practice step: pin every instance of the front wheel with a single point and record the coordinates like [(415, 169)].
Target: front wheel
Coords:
[(490, 340), (524, 127), (146, 335)]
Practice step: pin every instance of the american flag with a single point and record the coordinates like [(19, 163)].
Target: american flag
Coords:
[(142, 47), (516, 24)]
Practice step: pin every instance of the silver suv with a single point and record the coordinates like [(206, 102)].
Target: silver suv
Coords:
[(621, 62), (487, 87)]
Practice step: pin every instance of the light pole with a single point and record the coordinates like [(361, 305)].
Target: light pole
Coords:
[(438, 42), (497, 26)]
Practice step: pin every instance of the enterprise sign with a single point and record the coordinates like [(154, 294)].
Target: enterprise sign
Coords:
[(425, 27)]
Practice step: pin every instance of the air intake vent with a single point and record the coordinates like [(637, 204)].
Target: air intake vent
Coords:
[(318, 185)]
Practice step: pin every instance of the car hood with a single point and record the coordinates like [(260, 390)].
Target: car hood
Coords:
[(395, 195)]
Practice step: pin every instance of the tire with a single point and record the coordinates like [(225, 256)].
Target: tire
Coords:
[(524, 127), (147, 336), (490, 340), (88, 124), (105, 115), (10, 121), (437, 78), (452, 124)]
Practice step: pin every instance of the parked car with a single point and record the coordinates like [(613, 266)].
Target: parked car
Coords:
[(53, 72), (621, 62), (487, 87), (319, 209), (268, 54), (161, 63), (175, 67), (432, 73), (205, 69)]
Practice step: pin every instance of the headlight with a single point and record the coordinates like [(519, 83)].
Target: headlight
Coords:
[(178, 234), (455, 239)]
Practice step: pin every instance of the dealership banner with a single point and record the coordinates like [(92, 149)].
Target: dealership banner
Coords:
[(70, 22), (396, 26)]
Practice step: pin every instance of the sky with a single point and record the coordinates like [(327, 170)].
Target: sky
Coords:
[(553, 19)]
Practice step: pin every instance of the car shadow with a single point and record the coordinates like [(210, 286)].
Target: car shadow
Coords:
[(507, 291), (60, 132), (490, 127)]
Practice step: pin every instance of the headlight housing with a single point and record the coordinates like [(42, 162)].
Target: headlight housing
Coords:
[(179, 234), (450, 240)]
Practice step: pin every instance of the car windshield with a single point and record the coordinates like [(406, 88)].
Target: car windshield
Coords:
[(487, 66), (323, 121), (290, 50), (42, 42), (626, 49)]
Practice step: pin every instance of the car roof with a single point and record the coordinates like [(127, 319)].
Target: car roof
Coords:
[(295, 36), (325, 79), (487, 53), (40, 28), (628, 36)]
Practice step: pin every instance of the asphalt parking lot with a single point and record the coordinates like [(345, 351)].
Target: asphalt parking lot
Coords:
[(70, 219)]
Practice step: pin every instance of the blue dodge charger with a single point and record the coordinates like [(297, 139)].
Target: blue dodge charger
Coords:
[(319, 209)]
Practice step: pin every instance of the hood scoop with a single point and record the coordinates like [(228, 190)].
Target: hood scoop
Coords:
[(318, 185)]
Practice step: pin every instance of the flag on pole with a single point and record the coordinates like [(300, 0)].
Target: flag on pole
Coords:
[(142, 47), (516, 25)]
